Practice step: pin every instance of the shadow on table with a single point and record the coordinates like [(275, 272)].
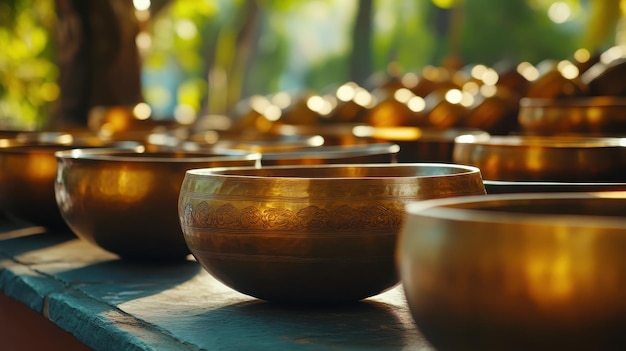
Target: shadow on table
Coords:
[(118, 281), (22, 239), (361, 325)]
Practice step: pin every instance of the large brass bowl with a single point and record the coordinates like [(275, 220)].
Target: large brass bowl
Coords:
[(517, 271), (28, 169), (125, 201), (308, 234), (599, 115), (544, 158)]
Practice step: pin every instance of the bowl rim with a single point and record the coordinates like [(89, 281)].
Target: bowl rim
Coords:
[(330, 151), (113, 155), (217, 171), (443, 209), (583, 142)]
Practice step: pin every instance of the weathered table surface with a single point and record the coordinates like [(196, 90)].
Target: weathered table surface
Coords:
[(111, 304)]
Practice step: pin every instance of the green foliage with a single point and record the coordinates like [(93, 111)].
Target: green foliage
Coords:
[(28, 72)]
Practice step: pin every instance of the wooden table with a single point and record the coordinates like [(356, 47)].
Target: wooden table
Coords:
[(110, 304)]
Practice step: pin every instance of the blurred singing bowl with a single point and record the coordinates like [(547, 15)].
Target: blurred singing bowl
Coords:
[(308, 234), (334, 154), (599, 115), (28, 169), (517, 271), (125, 201), (419, 144), (333, 133), (544, 158), (510, 187), (254, 141)]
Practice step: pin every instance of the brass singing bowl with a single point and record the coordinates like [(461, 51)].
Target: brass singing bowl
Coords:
[(598, 115), (511, 187), (517, 271), (419, 144), (333, 154), (125, 201), (333, 133), (544, 158), (28, 169), (254, 141), (303, 234)]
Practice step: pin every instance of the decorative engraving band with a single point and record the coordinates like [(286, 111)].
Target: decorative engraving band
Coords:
[(340, 218)]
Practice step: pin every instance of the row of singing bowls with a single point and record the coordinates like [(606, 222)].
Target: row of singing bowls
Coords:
[(125, 201), (545, 163), (308, 234), (27, 173), (517, 271)]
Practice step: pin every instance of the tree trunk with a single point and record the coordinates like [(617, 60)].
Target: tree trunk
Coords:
[(98, 59)]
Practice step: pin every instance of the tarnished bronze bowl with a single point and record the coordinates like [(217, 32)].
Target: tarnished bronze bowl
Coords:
[(517, 271), (333, 154), (125, 200), (27, 172), (599, 115), (302, 234), (544, 158)]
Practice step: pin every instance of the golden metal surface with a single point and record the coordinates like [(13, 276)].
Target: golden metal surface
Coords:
[(27, 171), (306, 234), (544, 158), (600, 115), (125, 201), (517, 271)]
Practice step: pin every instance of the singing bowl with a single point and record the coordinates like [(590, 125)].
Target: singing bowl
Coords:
[(599, 115), (28, 169), (517, 271), (511, 187), (333, 154), (419, 144), (125, 201), (544, 158), (308, 234)]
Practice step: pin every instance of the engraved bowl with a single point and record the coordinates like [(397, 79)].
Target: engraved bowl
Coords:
[(517, 271), (28, 169), (125, 201), (308, 234), (544, 158)]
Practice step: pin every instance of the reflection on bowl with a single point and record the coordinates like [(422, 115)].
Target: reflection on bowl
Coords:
[(302, 234), (599, 115), (28, 169), (544, 158), (517, 271), (125, 201)]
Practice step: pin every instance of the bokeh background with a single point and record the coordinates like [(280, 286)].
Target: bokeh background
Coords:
[(201, 57)]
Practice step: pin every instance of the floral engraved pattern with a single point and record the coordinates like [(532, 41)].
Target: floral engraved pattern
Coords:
[(251, 217), (342, 218), (279, 218), (313, 217)]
